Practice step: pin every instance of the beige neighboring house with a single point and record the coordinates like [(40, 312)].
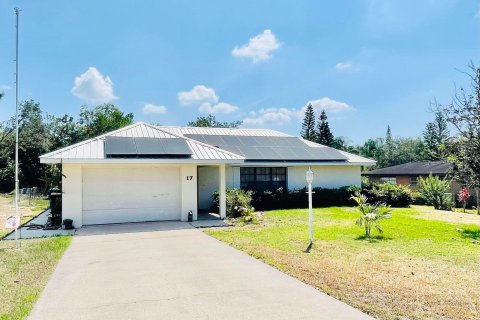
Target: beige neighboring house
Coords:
[(152, 173)]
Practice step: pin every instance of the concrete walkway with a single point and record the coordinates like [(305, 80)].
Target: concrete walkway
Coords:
[(42, 218), (170, 270)]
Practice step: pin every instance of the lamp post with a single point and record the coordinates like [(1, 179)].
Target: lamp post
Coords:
[(309, 178)]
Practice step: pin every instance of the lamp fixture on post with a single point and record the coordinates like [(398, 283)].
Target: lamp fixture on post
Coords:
[(309, 178)]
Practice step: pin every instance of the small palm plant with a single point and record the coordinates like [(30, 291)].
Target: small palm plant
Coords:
[(371, 214)]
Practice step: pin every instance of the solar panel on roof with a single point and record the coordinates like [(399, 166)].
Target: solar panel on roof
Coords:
[(286, 153), (149, 146), (268, 153), (176, 146), (120, 145), (301, 153), (214, 140), (249, 141), (138, 147), (250, 153), (271, 148), (232, 141)]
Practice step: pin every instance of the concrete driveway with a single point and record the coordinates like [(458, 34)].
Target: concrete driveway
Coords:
[(170, 270)]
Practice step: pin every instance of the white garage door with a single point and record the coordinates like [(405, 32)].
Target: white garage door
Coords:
[(130, 194)]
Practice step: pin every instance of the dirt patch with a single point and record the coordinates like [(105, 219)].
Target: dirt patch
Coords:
[(448, 216)]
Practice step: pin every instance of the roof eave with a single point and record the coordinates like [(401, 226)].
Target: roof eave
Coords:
[(294, 163), (140, 161)]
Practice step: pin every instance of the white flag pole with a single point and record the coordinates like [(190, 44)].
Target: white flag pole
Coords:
[(17, 214)]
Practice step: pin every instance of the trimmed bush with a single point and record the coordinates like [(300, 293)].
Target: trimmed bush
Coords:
[(388, 193), (293, 199), (237, 202)]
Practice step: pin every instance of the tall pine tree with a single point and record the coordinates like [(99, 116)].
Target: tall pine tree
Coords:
[(308, 125), (435, 136), (324, 135), (388, 149)]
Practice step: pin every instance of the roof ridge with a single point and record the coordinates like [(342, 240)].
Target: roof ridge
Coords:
[(223, 128), (202, 143)]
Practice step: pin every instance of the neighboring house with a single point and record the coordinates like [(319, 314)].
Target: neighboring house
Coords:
[(150, 173), (408, 173)]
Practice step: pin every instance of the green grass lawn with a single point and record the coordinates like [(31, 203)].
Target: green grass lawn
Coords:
[(24, 273), (420, 268)]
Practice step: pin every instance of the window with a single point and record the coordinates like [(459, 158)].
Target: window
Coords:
[(391, 180), (262, 178), (414, 181)]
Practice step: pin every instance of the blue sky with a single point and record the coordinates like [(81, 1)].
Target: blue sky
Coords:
[(369, 62)]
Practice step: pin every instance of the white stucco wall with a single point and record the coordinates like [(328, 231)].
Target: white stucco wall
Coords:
[(72, 193), (188, 187), (324, 176)]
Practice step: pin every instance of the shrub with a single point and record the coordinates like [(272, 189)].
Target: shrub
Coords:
[(237, 201), (390, 194), (291, 199), (248, 214), (463, 196), (371, 214), (435, 192)]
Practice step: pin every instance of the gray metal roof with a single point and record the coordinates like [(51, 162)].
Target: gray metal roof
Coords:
[(258, 144), (440, 168), (94, 149), (224, 131), (352, 158), (264, 148)]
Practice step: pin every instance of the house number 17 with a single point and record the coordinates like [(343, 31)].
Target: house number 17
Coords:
[(189, 177)]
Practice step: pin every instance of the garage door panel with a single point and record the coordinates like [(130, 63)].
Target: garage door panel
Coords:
[(116, 195)]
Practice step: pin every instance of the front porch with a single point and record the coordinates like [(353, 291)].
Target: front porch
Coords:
[(211, 179)]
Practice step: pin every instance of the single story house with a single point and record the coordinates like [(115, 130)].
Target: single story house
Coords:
[(149, 173), (408, 173)]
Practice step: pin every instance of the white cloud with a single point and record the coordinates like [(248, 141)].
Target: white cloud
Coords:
[(281, 116), (278, 116), (221, 107), (343, 65), (259, 48), (329, 105), (4, 87), (199, 94), (92, 86), (150, 108), (206, 99)]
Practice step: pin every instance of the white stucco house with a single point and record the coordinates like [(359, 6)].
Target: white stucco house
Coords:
[(150, 173)]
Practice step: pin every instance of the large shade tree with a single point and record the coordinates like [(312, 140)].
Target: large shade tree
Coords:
[(101, 119), (464, 114), (211, 122), (34, 140), (39, 134)]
